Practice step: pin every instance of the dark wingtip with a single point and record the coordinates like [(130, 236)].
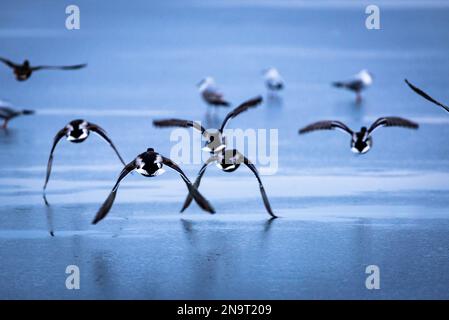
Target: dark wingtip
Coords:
[(45, 199), (97, 219)]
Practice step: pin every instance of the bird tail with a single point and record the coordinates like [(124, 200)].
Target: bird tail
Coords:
[(27, 111), (338, 84), (223, 103)]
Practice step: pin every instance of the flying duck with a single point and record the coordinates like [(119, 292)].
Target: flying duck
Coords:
[(7, 113), (361, 142), (426, 96), (149, 164), (210, 93), (23, 71), (273, 79), (226, 160), (360, 82), (77, 131)]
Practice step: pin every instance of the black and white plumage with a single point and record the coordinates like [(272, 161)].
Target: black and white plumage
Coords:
[(226, 160), (215, 142), (273, 79), (7, 113), (77, 131), (360, 82), (23, 71), (229, 160), (210, 93), (426, 96), (362, 141), (149, 164)]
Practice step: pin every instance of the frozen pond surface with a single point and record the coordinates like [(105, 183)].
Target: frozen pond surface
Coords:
[(339, 212)]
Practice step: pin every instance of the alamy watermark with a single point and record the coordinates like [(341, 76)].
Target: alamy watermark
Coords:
[(372, 22), (72, 282), (260, 146), (372, 282), (73, 21)]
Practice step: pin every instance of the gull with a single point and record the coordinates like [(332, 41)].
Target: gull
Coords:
[(273, 79), (210, 93), (360, 82)]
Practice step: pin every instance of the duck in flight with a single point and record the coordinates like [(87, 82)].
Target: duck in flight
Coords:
[(360, 82), (426, 96), (210, 93), (226, 160), (23, 71), (7, 113), (273, 79), (150, 164), (76, 131), (362, 141)]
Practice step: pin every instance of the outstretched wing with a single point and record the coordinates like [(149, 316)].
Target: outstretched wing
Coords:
[(392, 122), (202, 202), (61, 133), (254, 102), (197, 182), (102, 133), (104, 209), (74, 67), (326, 125), (179, 123), (426, 96), (251, 166), (9, 63)]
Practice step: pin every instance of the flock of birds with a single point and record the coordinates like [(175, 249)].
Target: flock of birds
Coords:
[(150, 163)]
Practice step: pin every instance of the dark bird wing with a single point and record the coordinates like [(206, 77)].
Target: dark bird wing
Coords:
[(74, 67), (8, 113), (61, 133), (102, 133), (254, 102), (392, 122), (8, 63), (354, 85), (197, 182), (202, 202), (426, 96), (178, 123), (251, 166), (104, 209), (215, 98), (326, 125)]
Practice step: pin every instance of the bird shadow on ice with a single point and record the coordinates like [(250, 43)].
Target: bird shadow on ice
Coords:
[(7, 136), (212, 119), (351, 110), (188, 227), (274, 100)]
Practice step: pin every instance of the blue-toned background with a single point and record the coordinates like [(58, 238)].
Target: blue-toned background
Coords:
[(339, 212)]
